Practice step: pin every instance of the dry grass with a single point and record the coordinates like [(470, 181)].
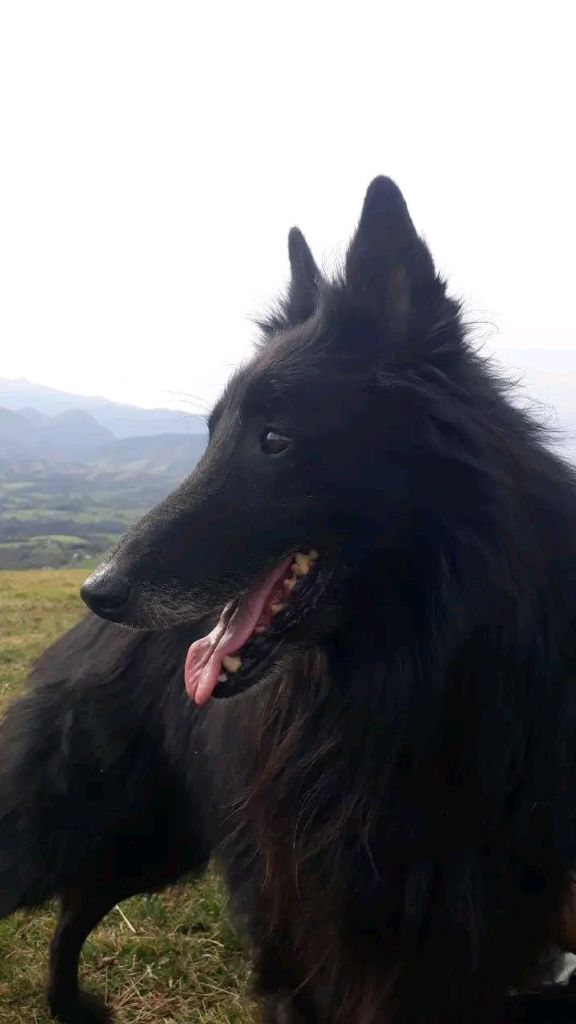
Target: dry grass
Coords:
[(169, 959)]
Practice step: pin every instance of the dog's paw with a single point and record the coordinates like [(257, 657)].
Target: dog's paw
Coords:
[(81, 1008)]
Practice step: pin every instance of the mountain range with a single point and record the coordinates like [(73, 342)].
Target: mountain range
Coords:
[(43, 424), (121, 419)]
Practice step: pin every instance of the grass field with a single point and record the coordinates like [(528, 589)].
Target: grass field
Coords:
[(169, 959)]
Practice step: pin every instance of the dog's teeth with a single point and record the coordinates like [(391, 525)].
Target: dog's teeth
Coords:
[(259, 629), (231, 662), (289, 584), (278, 606), (222, 677), (301, 564)]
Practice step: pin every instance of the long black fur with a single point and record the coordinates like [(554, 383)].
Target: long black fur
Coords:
[(392, 804), (91, 808)]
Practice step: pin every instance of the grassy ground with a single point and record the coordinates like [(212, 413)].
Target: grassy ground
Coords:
[(169, 959)]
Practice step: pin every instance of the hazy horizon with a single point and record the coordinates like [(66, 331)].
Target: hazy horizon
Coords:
[(526, 365)]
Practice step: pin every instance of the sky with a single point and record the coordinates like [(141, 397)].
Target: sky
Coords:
[(154, 156)]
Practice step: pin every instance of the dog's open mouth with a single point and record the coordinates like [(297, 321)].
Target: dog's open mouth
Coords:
[(250, 630)]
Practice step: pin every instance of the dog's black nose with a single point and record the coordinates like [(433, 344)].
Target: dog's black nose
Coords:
[(105, 592)]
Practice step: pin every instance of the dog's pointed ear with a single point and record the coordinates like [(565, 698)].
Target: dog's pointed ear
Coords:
[(302, 297), (305, 278), (389, 270)]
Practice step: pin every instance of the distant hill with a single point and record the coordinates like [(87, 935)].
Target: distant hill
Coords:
[(43, 424), (121, 419), (75, 433), (69, 436), (76, 437), (18, 438), (173, 455), (37, 419)]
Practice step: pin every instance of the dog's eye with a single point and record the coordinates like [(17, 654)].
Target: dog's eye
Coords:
[(274, 443)]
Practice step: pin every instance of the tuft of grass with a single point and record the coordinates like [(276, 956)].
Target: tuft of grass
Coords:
[(167, 959)]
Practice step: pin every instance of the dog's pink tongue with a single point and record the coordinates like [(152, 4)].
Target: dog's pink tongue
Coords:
[(205, 656)]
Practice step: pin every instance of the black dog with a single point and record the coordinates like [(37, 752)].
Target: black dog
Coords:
[(386, 552)]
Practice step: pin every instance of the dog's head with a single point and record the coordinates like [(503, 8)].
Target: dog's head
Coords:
[(326, 453)]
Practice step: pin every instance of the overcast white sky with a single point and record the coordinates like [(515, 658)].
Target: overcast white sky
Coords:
[(154, 156)]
